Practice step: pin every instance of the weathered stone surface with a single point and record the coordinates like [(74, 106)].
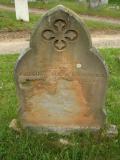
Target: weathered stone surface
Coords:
[(61, 80)]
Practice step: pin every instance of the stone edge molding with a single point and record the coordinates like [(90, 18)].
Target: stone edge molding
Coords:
[(62, 46)]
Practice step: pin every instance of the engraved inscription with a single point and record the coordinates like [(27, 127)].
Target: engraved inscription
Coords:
[(60, 35)]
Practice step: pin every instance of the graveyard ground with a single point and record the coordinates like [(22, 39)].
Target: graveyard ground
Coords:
[(105, 11), (8, 23), (29, 146)]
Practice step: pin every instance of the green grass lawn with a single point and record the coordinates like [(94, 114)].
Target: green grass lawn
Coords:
[(29, 146), (104, 11), (8, 22), (6, 2)]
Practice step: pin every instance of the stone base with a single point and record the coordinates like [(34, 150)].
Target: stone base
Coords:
[(61, 130), (109, 131)]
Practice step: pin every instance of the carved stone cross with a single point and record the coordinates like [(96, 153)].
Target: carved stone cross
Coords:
[(60, 34)]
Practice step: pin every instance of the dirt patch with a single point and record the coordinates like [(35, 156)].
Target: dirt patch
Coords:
[(104, 32), (14, 35)]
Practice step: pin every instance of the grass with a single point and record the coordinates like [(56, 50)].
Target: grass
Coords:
[(101, 26), (117, 2), (81, 8), (6, 2), (8, 22), (29, 146)]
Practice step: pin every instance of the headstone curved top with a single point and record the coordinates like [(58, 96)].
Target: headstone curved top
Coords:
[(61, 80)]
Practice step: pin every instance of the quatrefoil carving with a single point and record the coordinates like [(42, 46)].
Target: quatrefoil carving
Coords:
[(59, 35)]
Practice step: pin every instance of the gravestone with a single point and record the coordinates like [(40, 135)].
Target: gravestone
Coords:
[(21, 8), (94, 3), (61, 79), (104, 1), (97, 3)]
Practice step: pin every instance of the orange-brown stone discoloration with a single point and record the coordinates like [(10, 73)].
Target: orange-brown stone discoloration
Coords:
[(37, 114)]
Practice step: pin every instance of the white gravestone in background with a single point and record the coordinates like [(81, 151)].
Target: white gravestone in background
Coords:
[(104, 1), (22, 12), (97, 3)]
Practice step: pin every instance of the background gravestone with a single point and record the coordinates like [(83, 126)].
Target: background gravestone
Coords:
[(21, 8), (97, 3), (61, 80)]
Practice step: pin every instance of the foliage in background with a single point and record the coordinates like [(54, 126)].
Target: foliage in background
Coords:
[(114, 2)]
